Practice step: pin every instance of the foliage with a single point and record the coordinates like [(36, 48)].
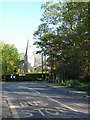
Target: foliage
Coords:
[(10, 59), (63, 35), (72, 83), (84, 87), (1, 46), (27, 77)]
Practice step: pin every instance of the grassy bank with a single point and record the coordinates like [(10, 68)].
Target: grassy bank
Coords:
[(74, 84)]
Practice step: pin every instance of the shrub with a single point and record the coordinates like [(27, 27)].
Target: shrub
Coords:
[(89, 86), (28, 77), (72, 83)]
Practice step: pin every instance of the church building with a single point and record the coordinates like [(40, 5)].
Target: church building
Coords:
[(28, 59)]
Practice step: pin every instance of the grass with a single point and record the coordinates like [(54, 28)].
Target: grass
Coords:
[(74, 84), (59, 84)]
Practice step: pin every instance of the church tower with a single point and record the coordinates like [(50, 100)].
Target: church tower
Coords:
[(28, 59)]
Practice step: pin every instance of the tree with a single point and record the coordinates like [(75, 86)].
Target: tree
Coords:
[(10, 59), (68, 21), (1, 45)]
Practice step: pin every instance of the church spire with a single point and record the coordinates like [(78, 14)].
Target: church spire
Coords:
[(27, 45), (29, 58)]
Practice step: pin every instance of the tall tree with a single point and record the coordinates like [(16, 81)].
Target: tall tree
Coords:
[(68, 21)]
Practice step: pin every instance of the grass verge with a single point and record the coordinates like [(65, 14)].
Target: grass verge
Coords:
[(74, 84)]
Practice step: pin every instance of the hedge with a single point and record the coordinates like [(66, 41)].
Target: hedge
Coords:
[(27, 77)]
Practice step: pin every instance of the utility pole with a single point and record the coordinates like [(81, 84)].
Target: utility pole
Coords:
[(42, 66)]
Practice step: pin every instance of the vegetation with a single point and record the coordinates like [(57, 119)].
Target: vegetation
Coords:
[(63, 36), (75, 84), (10, 59), (27, 77)]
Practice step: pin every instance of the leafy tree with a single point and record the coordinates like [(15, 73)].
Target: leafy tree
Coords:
[(1, 45), (10, 59), (67, 39)]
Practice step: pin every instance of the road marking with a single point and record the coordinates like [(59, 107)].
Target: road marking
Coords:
[(0, 106), (37, 103), (30, 89), (51, 111), (27, 113), (81, 105), (60, 109), (23, 104), (41, 112), (33, 103), (14, 112), (61, 104), (37, 92), (58, 102)]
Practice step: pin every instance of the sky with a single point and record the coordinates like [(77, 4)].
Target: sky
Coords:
[(18, 22)]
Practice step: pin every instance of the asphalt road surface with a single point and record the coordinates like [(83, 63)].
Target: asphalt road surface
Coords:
[(41, 100)]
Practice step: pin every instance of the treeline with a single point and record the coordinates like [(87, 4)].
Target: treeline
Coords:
[(63, 36)]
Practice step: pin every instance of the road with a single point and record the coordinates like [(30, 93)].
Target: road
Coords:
[(41, 100)]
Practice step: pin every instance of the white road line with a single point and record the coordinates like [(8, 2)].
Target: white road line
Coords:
[(37, 92), (81, 105), (14, 112), (0, 106), (59, 103), (41, 112), (31, 89)]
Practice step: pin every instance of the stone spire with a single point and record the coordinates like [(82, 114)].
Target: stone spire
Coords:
[(29, 58)]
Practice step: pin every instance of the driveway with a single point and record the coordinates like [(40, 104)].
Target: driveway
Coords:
[(30, 100)]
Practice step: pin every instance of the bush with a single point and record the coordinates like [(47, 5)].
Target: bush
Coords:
[(72, 83), (89, 86), (28, 77)]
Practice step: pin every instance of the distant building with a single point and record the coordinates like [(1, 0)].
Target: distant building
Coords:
[(28, 59), (22, 66)]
